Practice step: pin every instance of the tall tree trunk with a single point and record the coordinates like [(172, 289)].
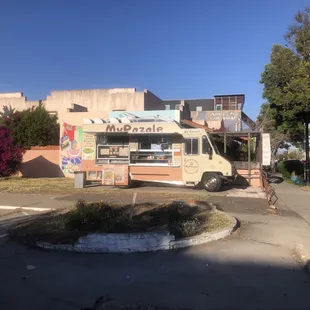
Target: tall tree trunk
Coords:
[(307, 151)]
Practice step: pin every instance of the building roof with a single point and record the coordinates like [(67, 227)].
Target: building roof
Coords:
[(230, 95), (195, 125)]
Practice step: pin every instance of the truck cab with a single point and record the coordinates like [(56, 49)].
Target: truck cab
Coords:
[(202, 162)]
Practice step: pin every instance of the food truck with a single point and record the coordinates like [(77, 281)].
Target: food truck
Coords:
[(122, 152)]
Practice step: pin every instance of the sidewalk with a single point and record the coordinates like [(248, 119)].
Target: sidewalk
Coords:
[(294, 198)]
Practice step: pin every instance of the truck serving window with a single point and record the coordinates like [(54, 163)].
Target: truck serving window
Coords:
[(154, 143), (191, 147), (112, 140)]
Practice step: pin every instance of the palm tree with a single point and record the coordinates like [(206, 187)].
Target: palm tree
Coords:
[(7, 112)]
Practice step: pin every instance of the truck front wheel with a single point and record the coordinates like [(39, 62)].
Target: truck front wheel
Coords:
[(212, 182)]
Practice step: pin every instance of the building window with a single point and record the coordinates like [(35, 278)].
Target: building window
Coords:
[(205, 145), (167, 106), (191, 147), (218, 107), (233, 106), (177, 107), (199, 108)]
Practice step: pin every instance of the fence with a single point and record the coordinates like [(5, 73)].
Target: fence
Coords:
[(269, 190)]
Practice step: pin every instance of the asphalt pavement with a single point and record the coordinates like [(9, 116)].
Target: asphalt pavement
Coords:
[(252, 269)]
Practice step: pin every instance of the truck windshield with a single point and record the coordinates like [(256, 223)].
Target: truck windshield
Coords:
[(214, 146)]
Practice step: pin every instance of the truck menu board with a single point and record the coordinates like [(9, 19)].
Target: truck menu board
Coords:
[(109, 151), (115, 175), (89, 146)]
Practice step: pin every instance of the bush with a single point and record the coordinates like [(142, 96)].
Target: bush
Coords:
[(185, 228), (181, 220), (92, 217), (185, 221), (10, 154), (66, 226), (287, 167), (32, 127)]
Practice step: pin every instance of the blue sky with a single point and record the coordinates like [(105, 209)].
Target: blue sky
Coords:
[(177, 49)]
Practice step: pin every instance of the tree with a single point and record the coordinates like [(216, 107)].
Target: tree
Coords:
[(33, 127), (266, 122), (10, 154), (7, 112), (287, 83)]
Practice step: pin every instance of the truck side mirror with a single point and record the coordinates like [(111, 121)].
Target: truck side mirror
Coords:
[(210, 152)]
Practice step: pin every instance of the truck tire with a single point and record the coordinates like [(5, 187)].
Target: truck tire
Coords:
[(211, 182)]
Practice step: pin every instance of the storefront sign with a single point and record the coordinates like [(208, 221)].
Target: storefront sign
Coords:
[(115, 175), (89, 147), (108, 175), (130, 128), (121, 175), (266, 149)]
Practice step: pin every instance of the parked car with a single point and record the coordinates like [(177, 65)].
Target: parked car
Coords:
[(287, 167)]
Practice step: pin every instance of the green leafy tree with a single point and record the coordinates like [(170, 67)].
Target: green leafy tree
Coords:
[(266, 122), (33, 127), (286, 81)]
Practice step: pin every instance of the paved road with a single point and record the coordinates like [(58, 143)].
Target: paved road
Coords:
[(107, 193), (230, 274), (295, 198), (253, 269)]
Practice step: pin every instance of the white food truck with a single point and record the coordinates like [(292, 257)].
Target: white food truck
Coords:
[(152, 150)]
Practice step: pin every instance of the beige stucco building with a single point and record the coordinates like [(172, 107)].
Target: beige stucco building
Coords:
[(90, 100)]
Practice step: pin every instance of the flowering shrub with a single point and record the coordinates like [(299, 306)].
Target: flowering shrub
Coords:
[(10, 154)]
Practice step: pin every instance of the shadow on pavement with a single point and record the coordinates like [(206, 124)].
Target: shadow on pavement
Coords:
[(12, 219), (232, 273), (228, 274)]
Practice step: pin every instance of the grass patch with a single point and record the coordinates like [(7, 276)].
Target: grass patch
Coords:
[(20, 185), (36, 185), (67, 226), (290, 181)]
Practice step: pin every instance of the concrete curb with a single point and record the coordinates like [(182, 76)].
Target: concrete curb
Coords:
[(139, 242), (303, 255)]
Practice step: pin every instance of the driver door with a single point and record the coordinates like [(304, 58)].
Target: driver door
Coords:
[(191, 160)]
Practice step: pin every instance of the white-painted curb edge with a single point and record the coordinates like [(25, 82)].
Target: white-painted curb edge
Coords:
[(25, 208)]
